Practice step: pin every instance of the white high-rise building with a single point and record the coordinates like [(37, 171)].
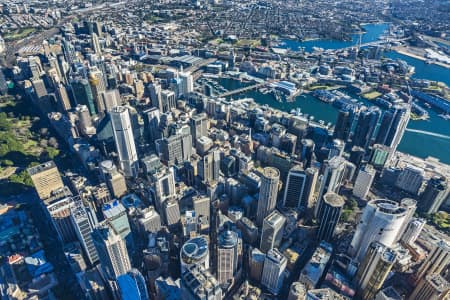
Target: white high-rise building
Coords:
[(381, 221), (364, 182), (172, 212), (268, 193), (413, 230), (273, 271), (227, 257), (436, 261), (187, 83), (163, 186), (123, 136)]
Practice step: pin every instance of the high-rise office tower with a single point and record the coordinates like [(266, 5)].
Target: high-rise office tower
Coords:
[(115, 181), (433, 286), (63, 98), (208, 166), (199, 284), (163, 186), (273, 271), (295, 187), (95, 44), (123, 136), (364, 181), (152, 124), (381, 221), (374, 270), (365, 127), (410, 205), (175, 149), (132, 286), (227, 257), (171, 212), (195, 252), (116, 216), (154, 90), (112, 251), (256, 264), (202, 206), (84, 119), (393, 125), (98, 87), (149, 221), (413, 230), (307, 152), (83, 94), (272, 231), (83, 229), (434, 195), (61, 217), (110, 99), (268, 193), (187, 83), (436, 261), (331, 212), (168, 101), (199, 126), (46, 179), (343, 125), (308, 196), (332, 179)]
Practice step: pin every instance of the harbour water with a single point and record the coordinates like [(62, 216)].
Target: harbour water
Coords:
[(422, 138)]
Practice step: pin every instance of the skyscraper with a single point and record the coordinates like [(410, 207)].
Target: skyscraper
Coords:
[(393, 125), (195, 252), (413, 230), (152, 124), (374, 270), (154, 90), (46, 179), (187, 83), (295, 187), (381, 221), (95, 44), (364, 181), (343, 125), (297, 291), (112, 251), (132, 286), (199, 126), (202, 206), (60, 213), (331, 212), (227, 257), (123, 136), (365, 127), (332, 179), (116, 216), (273, 271), (272, 231), (268, 193), (433, 286), (163, 186), (83, 229), (83, 94), (434, 195), (168, 101), (171, 212), (436, 261)]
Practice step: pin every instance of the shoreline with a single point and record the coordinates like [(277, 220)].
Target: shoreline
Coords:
[(407, 53)]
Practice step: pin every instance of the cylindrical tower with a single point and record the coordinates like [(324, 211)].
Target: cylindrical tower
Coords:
[(267, 193)]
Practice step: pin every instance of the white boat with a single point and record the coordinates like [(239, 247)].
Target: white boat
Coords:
[(445, 116)]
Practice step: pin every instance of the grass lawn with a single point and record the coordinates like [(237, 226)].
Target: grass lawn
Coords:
[(372, 95), (19, 34)]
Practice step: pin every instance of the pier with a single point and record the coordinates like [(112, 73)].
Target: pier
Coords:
[(245, 89)]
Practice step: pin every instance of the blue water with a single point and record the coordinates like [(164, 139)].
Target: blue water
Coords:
[(373, 32), (422, 69), (415, 143)]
